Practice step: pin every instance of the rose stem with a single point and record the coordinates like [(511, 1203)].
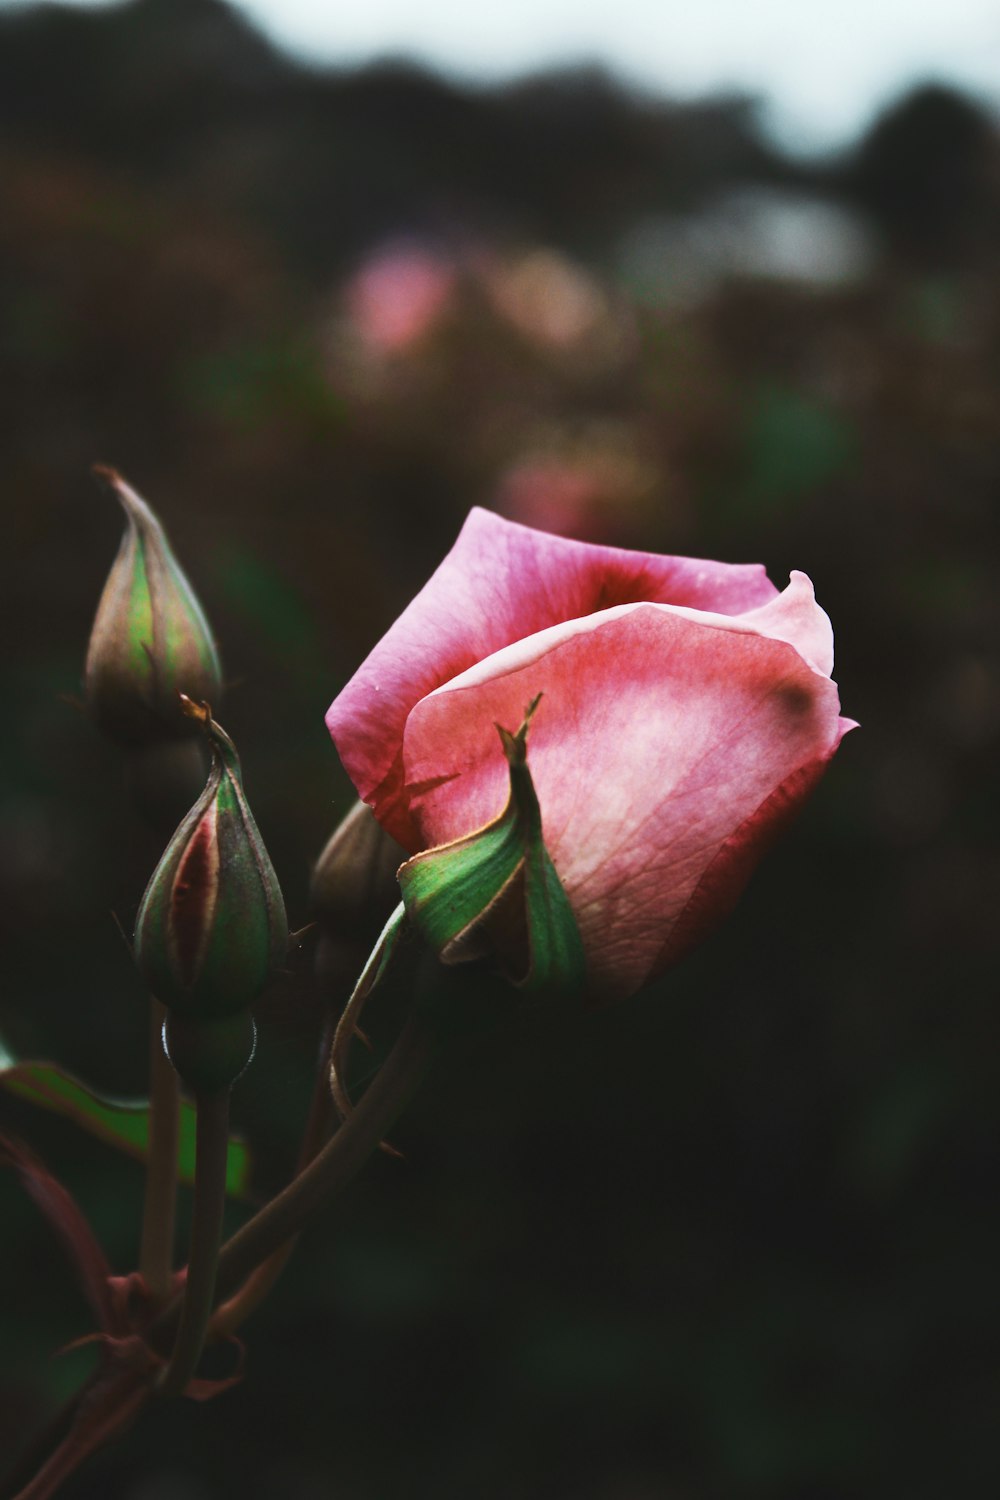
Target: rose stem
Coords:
[(281, 1219), (229, 1316), (206, 1234), (344, 1155), (156, 1255), (332, 1169)]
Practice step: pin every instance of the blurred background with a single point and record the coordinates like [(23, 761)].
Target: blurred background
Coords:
[(686, 284)]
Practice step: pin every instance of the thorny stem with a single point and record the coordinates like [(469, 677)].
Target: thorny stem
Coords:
[(156, 1253), (233, 1313), (343, 1156), (320, 1115), (221, 1271), (206, 1234)]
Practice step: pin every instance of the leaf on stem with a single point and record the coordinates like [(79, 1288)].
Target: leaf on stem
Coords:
[(119, 1122)]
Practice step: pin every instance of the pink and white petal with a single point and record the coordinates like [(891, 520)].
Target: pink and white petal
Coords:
[(658, 737), (795, 617), (792, 616), (501, 583)]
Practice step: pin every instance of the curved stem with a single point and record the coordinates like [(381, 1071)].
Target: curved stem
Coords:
[(206, 1234), (332, 1169), (342, 1157), (317, 1126), (156, 1255), (233, 1313), (347, 1028)]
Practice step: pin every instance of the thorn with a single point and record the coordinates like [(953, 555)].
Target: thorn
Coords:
[(390, 1150), (107, 475), (80, 1343), (124, 935), (363, 1038), (300, 934), (73, 701)]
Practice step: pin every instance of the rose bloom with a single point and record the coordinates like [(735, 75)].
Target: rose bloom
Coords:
[(687, 712)]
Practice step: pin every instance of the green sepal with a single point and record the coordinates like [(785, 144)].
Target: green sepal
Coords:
[(123, 1123), (496, 891), (208, 945)]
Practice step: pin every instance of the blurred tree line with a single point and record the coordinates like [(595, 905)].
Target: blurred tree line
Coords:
[(739, 1239)]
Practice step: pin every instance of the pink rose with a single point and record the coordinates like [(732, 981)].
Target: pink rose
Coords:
[(687, 713)]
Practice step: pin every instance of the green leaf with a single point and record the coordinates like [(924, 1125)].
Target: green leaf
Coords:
[(120, 1122), (496, 891)]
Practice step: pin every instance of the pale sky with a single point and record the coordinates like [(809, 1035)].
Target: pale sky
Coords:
[(824, 67)]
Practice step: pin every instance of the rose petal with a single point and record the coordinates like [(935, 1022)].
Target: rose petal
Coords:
[(792, 616), (723, 882), (500, 583), (661, 742)]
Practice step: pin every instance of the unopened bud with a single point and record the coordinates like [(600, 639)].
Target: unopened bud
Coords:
[(353, 886), (211, 928), (150, 641), (353, 890)]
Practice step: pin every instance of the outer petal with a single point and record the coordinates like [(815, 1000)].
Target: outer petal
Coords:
[(792, 616), (501, 583), (667, 747)]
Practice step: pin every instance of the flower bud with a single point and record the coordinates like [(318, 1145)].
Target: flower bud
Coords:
[(211, 928), (150, 640), (353, 886), (352, 892)]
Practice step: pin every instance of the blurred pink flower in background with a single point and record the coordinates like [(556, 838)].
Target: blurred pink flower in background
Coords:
[(398, 295), (592, 482), (567, 499)]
